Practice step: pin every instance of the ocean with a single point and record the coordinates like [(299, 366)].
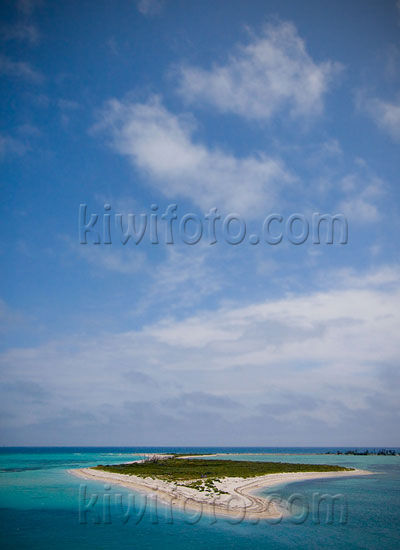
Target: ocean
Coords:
[(43, 506)]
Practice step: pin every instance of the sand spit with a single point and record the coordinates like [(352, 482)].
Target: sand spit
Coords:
[(237, 496)]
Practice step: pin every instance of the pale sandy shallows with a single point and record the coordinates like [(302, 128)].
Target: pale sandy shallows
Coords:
[(240, 499)]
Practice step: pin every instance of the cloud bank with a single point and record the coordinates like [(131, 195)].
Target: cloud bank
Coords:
[(302, 368)]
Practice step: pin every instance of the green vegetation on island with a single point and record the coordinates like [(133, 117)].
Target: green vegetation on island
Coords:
[(206, 485), (183, 469)]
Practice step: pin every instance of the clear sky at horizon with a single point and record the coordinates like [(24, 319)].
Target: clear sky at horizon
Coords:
[(251, 107)]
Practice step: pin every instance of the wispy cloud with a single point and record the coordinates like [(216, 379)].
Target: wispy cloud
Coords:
[(385, 114), (67, 104), (20, 143), (9, 318), (270, 74), (361, 197), (125, 262), (150, 7), (67, 107), (162, 146), (11, 146), (384, 277), (19, 69), (22, 32), (27, 7), (188, 275)]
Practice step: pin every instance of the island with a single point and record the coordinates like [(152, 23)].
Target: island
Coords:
[(365, 452), (223, 487)]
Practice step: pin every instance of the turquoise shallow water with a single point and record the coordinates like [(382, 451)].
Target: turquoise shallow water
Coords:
[(40, 501)]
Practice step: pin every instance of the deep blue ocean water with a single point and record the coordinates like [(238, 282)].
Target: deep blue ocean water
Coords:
[(42, 505)]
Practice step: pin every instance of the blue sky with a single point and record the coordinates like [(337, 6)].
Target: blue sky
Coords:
[(249, 107)]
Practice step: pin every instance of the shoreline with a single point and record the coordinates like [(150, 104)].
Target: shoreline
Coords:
[(240, 498)]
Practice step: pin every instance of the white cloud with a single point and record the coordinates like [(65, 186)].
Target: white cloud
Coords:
[(150, 7), (161, 145), (385, 114), (19, 69), (270, 74)]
